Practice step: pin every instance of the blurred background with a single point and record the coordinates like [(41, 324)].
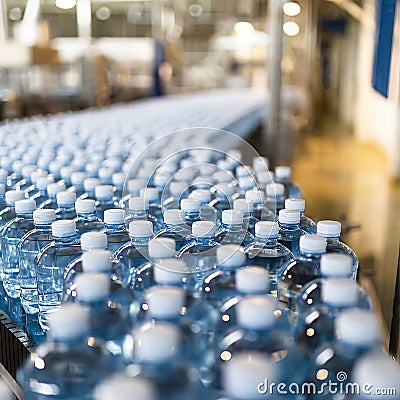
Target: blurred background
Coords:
[(329, 70)]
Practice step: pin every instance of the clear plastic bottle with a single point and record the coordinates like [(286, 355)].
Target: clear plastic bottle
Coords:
[(65, 367), (192, 210), (118, 181), (207, 212), (303, 269), (175, 228), (77, 179), (267, 253), (290, 231), (11, 235), (177, 191), (260, 211), (87, 219), (283, 174), (66, 205), (117, 234), (275, 200), (32, 189), (28, 249), (89, 185), (331, 230), (51, 264), (224, 194), (52, 190), (139, 211), (104, 199), (40, 194), (134, 186), (306, 223), (232, 231), (153, 197)]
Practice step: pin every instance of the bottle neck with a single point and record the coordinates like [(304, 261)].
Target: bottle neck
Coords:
[(232, 227), (270, 242), (104, 201), (25, 216), (139, 213), (175, 227), (96, 305), (191, 215), (334, 239), (115, 228), (289, 227), (66, 207), (65, 241), (209, 241), (76, 341), (308, 254), (247, 214), (142, 241), (87, 216), (43, 227)]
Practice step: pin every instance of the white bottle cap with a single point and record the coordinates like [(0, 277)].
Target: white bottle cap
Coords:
[(283, 172), (77, 178), (66, 172), (189, 205), (260, 164), (264, 177), (203, 182), (141, 229), (118, 179), (267, 230), (54, 188), (244, 205), (97, 261), (5, 392), (358, 327), (160, 180), (105, 174), (114, 216), (256, 312), (169, 271), (339, 292), (43, 182), (93, 240), (174, 217), (65, 198), (243, 170), (336, 265), (165, 301), (39, 173), (92, 286), (295, 204), (186, 174), (231, 256), (25, 206), (122, 387), (69, 322), (156, 342), (103, 192), (223, 177), (201, 194), (243, 374), (232, 217), (44, 216), (329, 228), (138, 204), (203, 229), (377, 370), (225, 189), (86, 206), (291, 217), (314, 244), (89, 184), (27, 170), (177, 188), (246, 182), (17, 166), (14, 195), (256, 196), (135, 185), (275, 189), (151, 194), (252, 280), (162, 248), (207, 169)]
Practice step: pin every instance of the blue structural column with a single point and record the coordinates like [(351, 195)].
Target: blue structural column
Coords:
[(385, 18)]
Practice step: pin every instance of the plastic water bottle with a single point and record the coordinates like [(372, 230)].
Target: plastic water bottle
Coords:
[(40, 194), (153, 197), (139, 211), (317, 326), (200, 255), (118, 180), (77, 179), (246, 183), (66, 205), (232, 230), (11, 235), (89, 241), (157, 355), (220, 285), (358, 333), (331, 230), (52, 190), (25, 182), (289, 230), (136, 252), (3, 202), (3, 177), (134, 186), (305, 268), (207, 212), (306, 223), (107, 324), (121, 387), (246, 207), (267, 253), (275, 200), (65, 367), (117, 234), (224, 193), (104, 199), (8, 213), (51, 264), (283, 174), (32, 189), (16, 175), (87, 219), (176, 191), (192, 210), (264, 177), (89, 185), (332, 265), (260, 211), (28, 249)]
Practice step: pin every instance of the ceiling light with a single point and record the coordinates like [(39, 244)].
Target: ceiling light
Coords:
[(65, 4), (103, 13), (15, 14), (291, 28), (244, 28), (195, 10), (291, 8)]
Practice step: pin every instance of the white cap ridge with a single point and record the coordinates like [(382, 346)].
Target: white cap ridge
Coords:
[(203, 229), (86, 206), (141, 229), (313, 244), (165, 301), (256, 196), (14, 195), (65, 198), (162, 248), (329, 229), (54, 188), (97, 261), (135, 185), (63, 228), (174, 217), (336, 265), (289, 217), (121, 387), (25, 206), (94, 240), (201, 194), (114, 216), (89, 184), (104, 192), (138, 204), (358, 327), (266, 230), (232, 217), (91, 287), (77, 178), (169, 271), (295, 204), (275, 189), (252, 280), (190, 205), (339, 292), (256, 312), (44, 216)]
